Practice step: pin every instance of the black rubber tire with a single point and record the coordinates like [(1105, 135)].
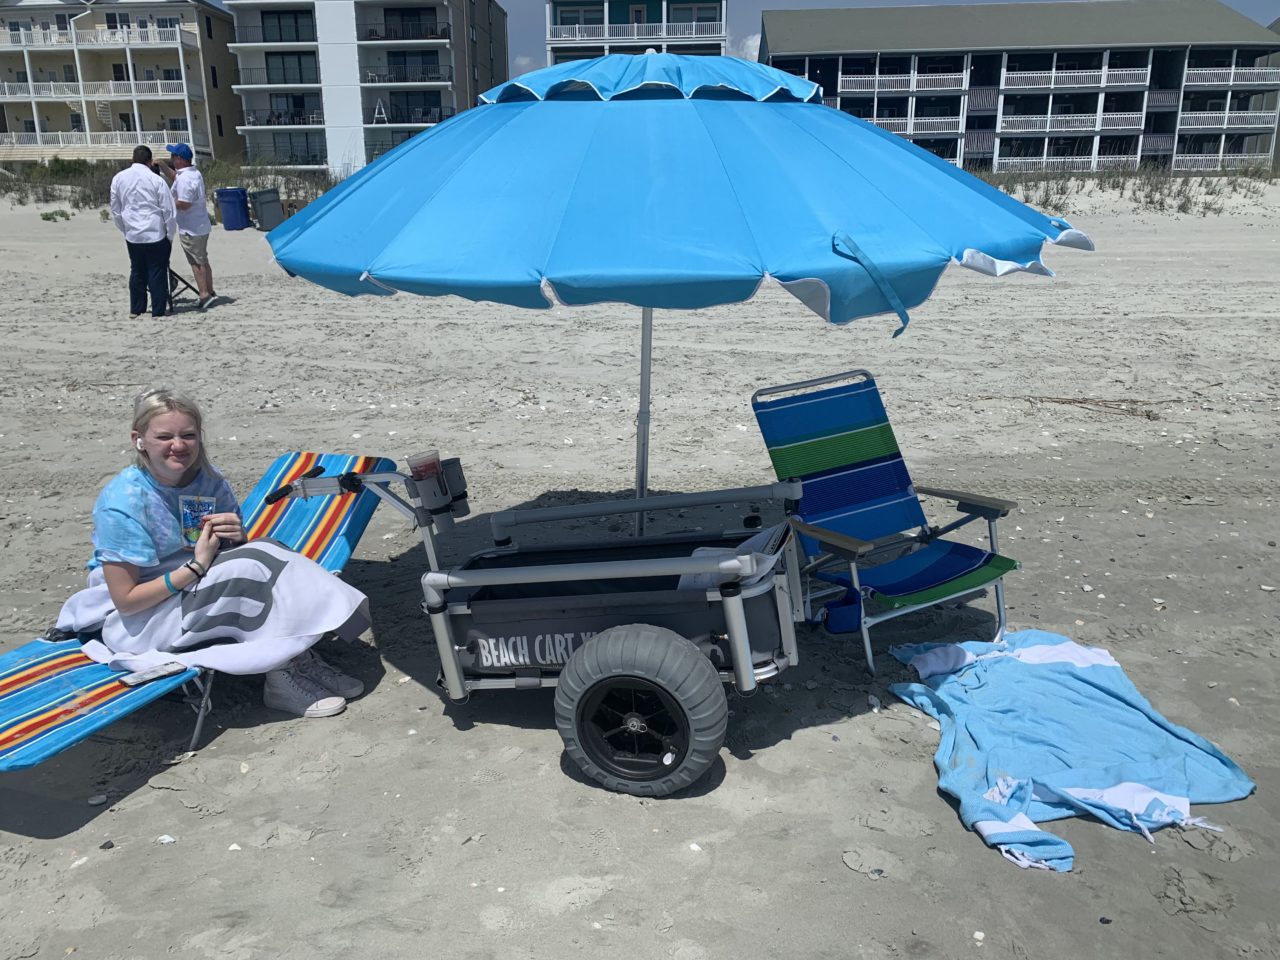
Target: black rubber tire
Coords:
[(663, 670)]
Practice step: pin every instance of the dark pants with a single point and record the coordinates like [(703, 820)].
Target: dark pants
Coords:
[(149, 263)]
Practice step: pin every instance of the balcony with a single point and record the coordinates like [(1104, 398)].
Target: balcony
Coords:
[(282, 118), (386, 76), (1041, 123), (981, 143), (1218, 119), (1122, 121), (102, 90), (904, 82), (394, 115), (1158, 142), (1164, 99), (274, 37), (918, 125), (1050, 79), (1228, 161), (1226, 76), (1076, 164), (114, 138), (600, 32), (265, 156), (270, 77), (381, 32), (102, 37), (1118, 162)]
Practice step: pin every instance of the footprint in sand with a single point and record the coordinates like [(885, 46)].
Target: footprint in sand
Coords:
[(1227, 846), (875, 863), (1203, 899), (897, 823), (573, 893)]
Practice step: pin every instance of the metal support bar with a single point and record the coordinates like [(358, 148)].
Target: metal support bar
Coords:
[(642, 416), (447, 650), (735, 618), (203, 708), (741, 566)]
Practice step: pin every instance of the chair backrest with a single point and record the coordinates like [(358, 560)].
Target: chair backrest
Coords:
[(326, 529), (838, 441)]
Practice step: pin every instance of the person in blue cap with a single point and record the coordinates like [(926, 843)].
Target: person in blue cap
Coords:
[(194, 225)]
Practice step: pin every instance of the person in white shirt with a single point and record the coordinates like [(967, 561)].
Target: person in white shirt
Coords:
[(194, 224), (143, 210)]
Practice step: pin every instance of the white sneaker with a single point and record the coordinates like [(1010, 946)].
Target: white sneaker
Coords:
[(291, 691), (328, 676)]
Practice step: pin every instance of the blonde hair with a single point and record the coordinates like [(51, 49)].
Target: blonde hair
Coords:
[(163, 400)]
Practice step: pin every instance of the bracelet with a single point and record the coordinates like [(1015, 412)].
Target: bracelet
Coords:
[(169, 583), (197, 568)]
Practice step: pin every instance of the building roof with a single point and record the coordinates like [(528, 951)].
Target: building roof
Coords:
[(1010, 26), (1275, 25)]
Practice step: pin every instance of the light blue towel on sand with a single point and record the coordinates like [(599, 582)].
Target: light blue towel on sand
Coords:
[(1038, 728)]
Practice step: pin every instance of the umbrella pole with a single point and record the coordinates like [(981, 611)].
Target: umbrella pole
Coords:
[(642, 418)]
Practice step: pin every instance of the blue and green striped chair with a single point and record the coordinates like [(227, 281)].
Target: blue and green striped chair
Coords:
[(52, 696), (860, 513)]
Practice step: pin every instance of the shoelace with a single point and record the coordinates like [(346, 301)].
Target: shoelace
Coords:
[(306, 686), (314, 668)]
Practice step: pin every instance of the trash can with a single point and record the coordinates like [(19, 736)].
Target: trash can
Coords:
[(233, 207), (267, 209)]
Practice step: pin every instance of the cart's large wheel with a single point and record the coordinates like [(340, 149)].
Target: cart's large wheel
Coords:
[(641, 710)]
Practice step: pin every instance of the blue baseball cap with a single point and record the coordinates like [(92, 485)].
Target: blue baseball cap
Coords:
[(181, 150)]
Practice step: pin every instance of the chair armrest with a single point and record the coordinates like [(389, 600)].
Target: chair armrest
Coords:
[(992, 508), (841, 544)]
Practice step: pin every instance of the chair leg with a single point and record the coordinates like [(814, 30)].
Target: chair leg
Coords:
[(1000, 616), (201, 710), (866, 648)]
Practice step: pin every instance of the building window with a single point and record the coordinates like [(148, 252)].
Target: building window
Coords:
[(178, 123), (170, 73), (28, 126), (168, 23), (69, 72), (696, 13), (288, 26), (213, 76), (218, 120), (63, 20), (292, 68), (119, 73), (118, 21), (580, 16), (77, 123), (208, 27)]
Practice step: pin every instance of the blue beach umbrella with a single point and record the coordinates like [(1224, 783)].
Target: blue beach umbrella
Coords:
[(662, 181)]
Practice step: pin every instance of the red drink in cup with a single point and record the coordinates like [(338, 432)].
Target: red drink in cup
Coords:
[(423, 466)]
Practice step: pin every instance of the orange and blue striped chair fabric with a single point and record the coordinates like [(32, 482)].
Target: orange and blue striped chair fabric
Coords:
[(52, 696)]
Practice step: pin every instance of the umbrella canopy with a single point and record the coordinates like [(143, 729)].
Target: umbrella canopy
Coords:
[(662, 181)]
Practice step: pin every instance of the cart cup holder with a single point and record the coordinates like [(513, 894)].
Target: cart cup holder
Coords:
[(443, 494)]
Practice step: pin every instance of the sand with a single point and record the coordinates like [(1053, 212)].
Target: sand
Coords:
[(405, 828)]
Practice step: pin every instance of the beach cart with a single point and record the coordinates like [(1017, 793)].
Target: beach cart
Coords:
[(639, 636)]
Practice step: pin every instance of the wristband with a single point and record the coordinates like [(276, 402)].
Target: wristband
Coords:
[(196, 568), (169, 583)]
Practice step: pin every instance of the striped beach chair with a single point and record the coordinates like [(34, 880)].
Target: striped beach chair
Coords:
[(860, 521), (52, 696)]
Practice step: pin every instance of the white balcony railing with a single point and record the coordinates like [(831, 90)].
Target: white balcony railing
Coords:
[(1221, 118), (102, 37), (636, 31), (1121, 121), (1225, 76), (1158, 142), (935, 124), (1050, 79), (99, 89), (1118, 162), (853, 83), (917, 124), (115, 138), (1078, 164), (1126, 77), (1229, 161)]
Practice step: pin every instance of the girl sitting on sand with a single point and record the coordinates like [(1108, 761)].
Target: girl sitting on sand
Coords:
[(172, 578)]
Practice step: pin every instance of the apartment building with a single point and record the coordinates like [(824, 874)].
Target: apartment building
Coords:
[(1188, 84), (336, 83), (90, 80), (582, 29)]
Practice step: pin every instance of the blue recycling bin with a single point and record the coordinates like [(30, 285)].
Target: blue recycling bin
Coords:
[(233, 207)]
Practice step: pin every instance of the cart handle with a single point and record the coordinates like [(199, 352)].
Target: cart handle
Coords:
[(279, 493)]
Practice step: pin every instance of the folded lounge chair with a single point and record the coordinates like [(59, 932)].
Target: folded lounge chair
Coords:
[(861, 525), (52, 696)]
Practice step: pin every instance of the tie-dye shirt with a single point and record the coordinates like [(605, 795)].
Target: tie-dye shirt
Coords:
[(136, 518)]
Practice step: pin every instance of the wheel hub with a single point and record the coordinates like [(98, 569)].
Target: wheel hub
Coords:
[(635, 723)]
